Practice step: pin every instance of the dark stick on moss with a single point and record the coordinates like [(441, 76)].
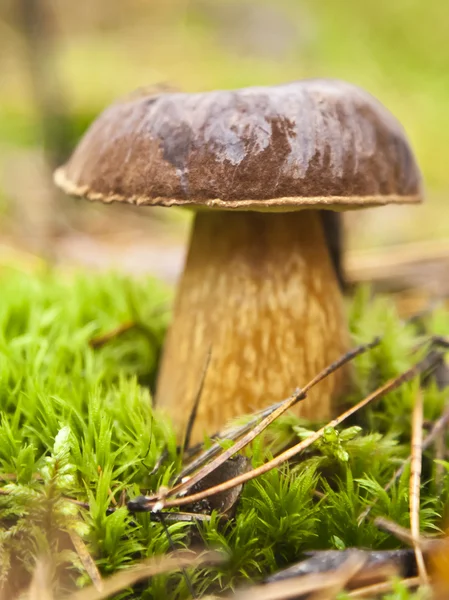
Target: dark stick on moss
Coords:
[(139, 505), (418, 369), (296, 397), (194, 411)]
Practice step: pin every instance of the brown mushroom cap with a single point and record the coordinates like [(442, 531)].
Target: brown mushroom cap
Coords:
[(318, 142)]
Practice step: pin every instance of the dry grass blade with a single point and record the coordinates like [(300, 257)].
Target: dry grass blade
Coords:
[(415, 482), (144, 570), (392, 384), (41, 582), (372, 591), (87, 560), (249, 437), (437, 429), (295, 587)]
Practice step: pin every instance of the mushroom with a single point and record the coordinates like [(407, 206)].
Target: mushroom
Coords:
[(258, 295)]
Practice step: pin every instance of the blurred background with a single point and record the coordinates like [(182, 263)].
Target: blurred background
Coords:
[(62, 62)]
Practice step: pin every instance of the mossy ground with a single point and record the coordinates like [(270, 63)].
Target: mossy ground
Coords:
[(78, 422)]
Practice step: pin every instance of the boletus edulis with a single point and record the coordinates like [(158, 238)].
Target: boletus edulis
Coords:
[(258, 292)]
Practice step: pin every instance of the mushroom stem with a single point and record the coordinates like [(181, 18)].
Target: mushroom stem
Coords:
[(259, 293)]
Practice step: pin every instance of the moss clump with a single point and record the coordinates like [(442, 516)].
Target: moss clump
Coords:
[(77, 422)]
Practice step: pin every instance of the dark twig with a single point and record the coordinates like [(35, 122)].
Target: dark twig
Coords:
[(417, 369), (196, 403), (139, 505), (157, 465)]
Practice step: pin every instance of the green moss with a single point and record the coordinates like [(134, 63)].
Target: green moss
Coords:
[(77, 422)]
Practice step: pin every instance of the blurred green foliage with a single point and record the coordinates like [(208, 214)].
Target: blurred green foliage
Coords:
[(397, 50)]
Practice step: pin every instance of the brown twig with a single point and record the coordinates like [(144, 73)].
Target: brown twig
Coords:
[(101, 340), (233, 434), (437, 429), (372, 591), (401, 533), (135, 323), (405, 535), (236, 432), (298, 395), (418, 368), (415, 482)]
